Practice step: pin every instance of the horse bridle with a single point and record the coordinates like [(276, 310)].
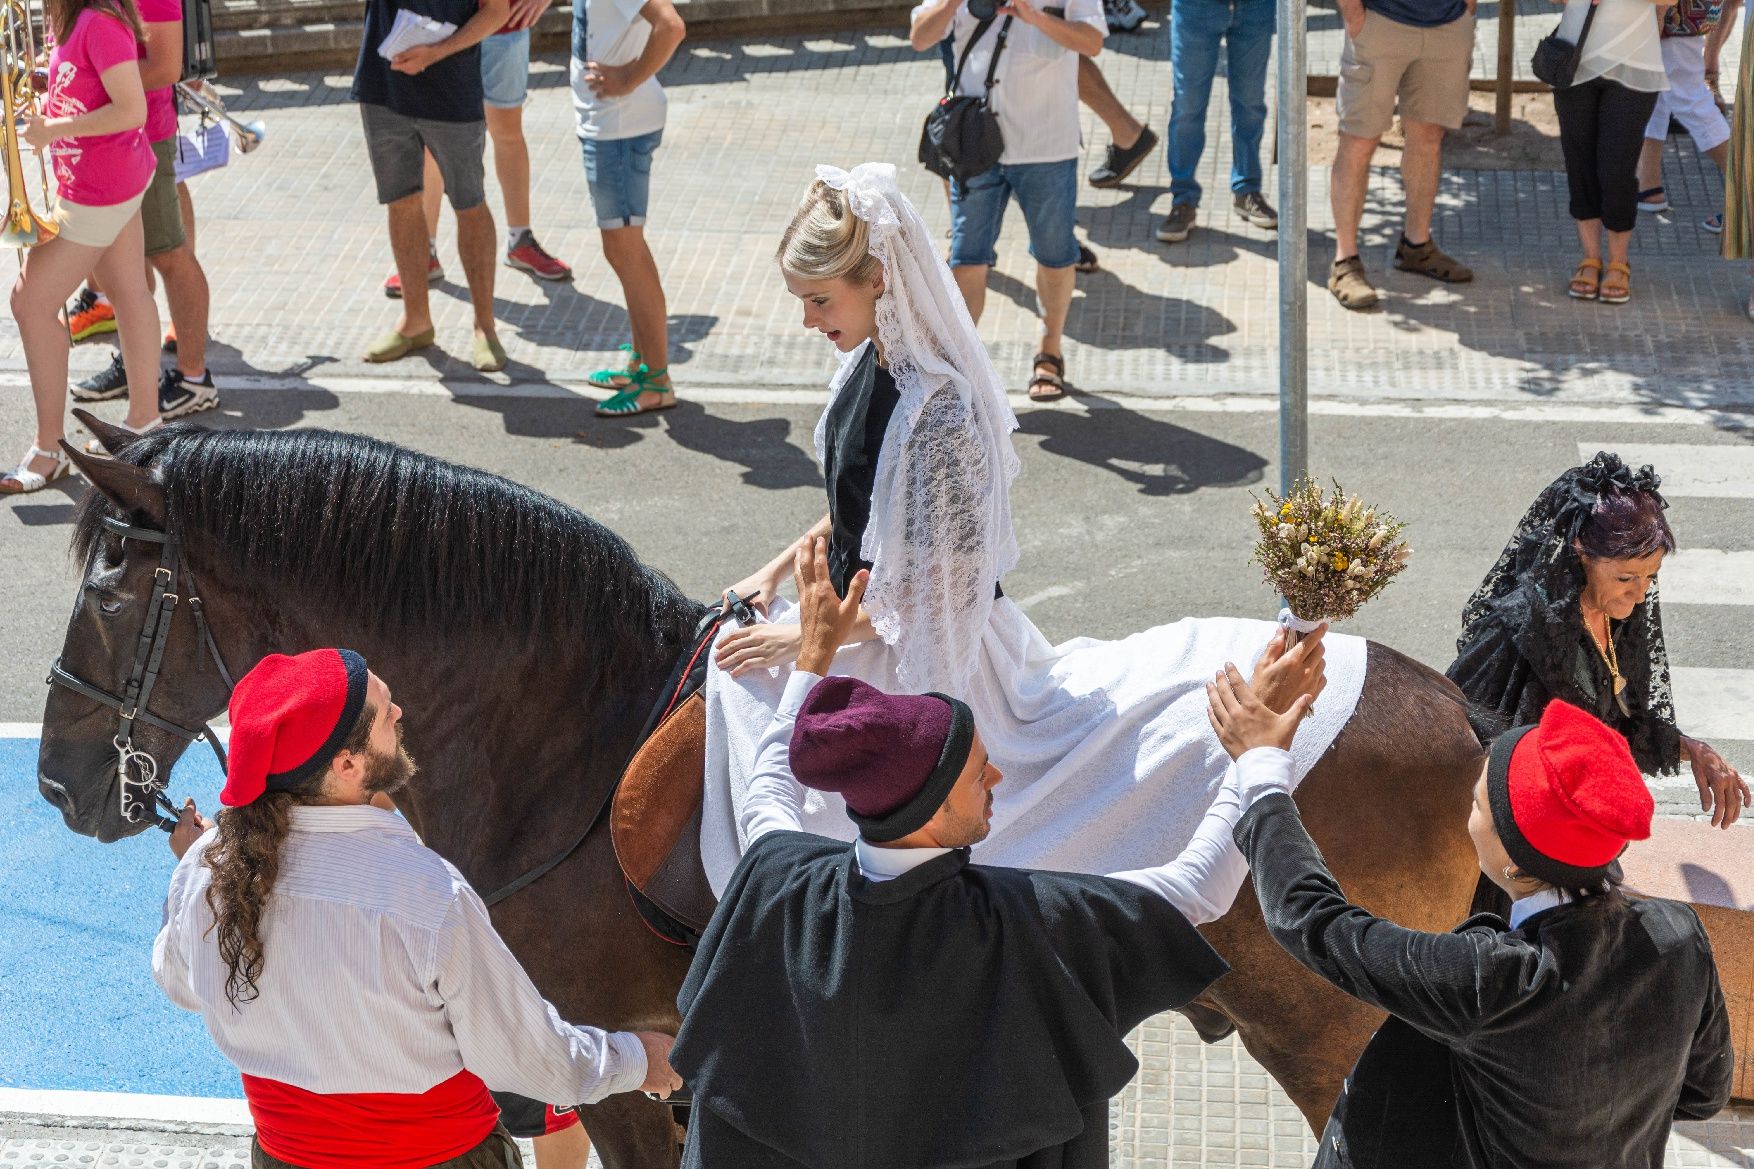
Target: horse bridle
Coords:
[(142, 795)]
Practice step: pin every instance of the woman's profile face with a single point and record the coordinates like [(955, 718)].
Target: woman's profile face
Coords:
[(844, 311), (1617, 587)]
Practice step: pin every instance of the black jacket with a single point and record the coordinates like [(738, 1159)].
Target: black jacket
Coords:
[(958, 1015), (1572, 1042)]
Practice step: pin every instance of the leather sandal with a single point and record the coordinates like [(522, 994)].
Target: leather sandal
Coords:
[(21, 480), (626, 403), (1047, 387), (616, 379), (1653, 200), (1585, 287), (1350, 286), (1427, 259), (1617, 291)]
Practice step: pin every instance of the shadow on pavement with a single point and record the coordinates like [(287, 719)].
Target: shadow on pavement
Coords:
[(1158, 457)]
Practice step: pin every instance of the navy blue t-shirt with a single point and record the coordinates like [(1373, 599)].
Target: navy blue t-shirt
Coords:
[(449, 91), (1419, 13)]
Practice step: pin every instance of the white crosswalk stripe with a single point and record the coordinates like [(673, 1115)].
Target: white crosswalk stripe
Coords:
[(1714, 703), (1708, 576), (1688, 470)]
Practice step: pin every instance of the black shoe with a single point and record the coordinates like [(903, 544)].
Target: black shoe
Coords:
[(1087, 261), (180, 396), (1121, 163), (104, 386), (1255, 208), (1179, 224)]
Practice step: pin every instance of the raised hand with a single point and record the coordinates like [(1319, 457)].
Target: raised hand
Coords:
[(824, 616), (1280, 675), (1243, 722)]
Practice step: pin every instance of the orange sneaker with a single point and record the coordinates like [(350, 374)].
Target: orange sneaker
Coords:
[(89, 316)]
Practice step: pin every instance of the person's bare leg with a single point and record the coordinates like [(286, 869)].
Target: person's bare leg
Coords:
[(476, 245), (123, 271), (408, 245), (185, 288), (1347, 187), (1094, 91), (1719, 154), (647, 313), (511, 163), (52, 273), (1619, 244), (1650, 164), (186, 211), (569, 1148), (1421, 167), (1053, 291), (432, 193), (972, 280), (1589, 238)]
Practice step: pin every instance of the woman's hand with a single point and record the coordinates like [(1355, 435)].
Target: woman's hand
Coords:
[(1243, 722), (1722, 790), (758, 647), (757, 591), (37, 132), (190, 825), (1281, 675)]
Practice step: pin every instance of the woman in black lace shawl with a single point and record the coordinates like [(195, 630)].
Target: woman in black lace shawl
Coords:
[(1570, 611)]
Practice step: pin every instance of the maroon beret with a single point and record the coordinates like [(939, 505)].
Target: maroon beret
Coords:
[(892, 757)]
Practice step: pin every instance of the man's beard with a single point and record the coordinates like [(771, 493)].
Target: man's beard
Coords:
[(389, 772)]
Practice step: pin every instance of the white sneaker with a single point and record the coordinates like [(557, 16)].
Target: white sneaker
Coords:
[(1123, 15)]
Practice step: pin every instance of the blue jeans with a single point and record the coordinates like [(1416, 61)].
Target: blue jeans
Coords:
[(1196, 27)]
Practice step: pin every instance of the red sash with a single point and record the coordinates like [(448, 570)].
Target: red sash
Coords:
[(371, 1130)]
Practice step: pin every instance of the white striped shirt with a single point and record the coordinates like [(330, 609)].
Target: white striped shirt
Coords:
[(381, 973)]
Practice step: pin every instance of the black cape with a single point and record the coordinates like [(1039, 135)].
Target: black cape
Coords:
[(957, 1016), (1571, 1042)]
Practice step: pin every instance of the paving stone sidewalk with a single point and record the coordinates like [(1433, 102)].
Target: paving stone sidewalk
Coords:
[(296, 249)]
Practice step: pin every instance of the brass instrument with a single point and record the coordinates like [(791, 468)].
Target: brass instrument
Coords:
[(200, 95), (24, 226)]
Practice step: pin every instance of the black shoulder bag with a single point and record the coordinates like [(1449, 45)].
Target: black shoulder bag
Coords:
[(1556, 59), (199, 63), (961, 137)]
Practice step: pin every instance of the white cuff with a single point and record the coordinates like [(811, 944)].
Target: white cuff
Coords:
[(1262, 771), (798, 688), (630, 1062)]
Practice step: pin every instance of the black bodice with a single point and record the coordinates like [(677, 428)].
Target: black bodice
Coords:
[(856, 423)]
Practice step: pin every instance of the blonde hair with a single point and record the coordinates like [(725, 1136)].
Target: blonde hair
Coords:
[(826, 241)]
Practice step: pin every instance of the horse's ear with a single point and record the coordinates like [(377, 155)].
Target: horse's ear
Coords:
[(130, 488), (115, 439)]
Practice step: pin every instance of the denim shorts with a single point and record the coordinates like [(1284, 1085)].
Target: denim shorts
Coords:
[(1046, 191), (620, 175), (505, 69)]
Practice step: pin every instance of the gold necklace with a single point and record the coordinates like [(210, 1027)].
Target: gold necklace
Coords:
[(1606, 649)]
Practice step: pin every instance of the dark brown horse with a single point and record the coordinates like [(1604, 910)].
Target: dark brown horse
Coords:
[(527, 645)]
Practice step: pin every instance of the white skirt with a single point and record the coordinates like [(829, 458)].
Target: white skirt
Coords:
[(1108, 759)]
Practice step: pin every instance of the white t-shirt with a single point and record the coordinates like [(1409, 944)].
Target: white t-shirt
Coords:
[(1035, 93), (614, 35), (1623, 44)]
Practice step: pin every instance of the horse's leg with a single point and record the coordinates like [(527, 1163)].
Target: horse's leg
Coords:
[(1388, 805), (585, 946)]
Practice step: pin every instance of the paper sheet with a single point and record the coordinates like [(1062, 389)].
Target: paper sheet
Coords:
[(410, 29)]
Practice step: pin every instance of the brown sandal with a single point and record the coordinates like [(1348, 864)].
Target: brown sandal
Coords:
[(1586, 287), (1046, 387), (1617, 291)]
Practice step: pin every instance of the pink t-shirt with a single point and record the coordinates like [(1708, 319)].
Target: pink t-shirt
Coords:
[(161, 104), (99, 170)]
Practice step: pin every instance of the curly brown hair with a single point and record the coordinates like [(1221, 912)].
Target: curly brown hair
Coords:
[(245, 859)]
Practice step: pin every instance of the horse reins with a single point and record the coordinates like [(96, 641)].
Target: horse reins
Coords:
[(143, 798)]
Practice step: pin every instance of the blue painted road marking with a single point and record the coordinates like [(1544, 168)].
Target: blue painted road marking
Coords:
[(78, 1007)]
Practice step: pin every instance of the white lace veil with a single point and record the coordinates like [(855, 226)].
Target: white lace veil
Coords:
[(940, 536)]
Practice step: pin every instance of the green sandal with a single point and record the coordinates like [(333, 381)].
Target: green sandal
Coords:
[(626, 403), (616, 379)]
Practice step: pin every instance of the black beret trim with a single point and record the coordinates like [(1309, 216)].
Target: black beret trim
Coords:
[(912, 815), (1526, 856), (286, 781)]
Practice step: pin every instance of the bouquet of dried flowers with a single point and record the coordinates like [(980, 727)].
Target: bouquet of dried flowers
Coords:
[(1326, 555)]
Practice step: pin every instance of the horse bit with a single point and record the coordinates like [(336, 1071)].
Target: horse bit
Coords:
[(141, 785)]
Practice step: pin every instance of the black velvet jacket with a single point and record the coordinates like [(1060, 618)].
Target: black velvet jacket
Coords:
[(956, 1016), (1572, 1042)]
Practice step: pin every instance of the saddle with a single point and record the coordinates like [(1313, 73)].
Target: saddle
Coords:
[(654, 824)]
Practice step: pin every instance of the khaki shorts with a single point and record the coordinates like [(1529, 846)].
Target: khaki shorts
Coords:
[(94, 227), (160, 216), (1426, 69)]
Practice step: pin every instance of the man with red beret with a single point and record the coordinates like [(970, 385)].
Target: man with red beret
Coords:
[(1569, 1037), (887, 1003), (348, 971)]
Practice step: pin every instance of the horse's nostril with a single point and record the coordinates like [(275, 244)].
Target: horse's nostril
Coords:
[(55, 794)]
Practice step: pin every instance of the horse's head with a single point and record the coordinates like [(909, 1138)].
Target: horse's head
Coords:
[(134, 605)]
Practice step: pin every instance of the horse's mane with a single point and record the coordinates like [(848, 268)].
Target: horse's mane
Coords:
[(415, 543)]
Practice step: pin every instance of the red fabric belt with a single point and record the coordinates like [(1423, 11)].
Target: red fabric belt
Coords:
[(371, 1130)]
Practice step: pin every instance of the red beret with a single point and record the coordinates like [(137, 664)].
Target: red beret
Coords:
[(1567, 797), (892, 757), (289, 717)]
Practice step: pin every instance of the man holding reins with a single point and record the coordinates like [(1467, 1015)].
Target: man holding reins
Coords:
[(349, 972)]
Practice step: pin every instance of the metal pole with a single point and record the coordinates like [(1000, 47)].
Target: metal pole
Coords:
[(1506, 62), (1293, 243)]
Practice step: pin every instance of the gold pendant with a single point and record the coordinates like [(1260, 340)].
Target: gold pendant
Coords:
[(1619, 684)]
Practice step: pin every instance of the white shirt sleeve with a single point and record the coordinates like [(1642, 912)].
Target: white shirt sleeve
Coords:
[(508, 1034), (1087, 12), (1203, 881), (776, 799), (170, 966)]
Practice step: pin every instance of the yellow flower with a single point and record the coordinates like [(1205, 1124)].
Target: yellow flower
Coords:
[(1340, 562), (1285, 509)]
